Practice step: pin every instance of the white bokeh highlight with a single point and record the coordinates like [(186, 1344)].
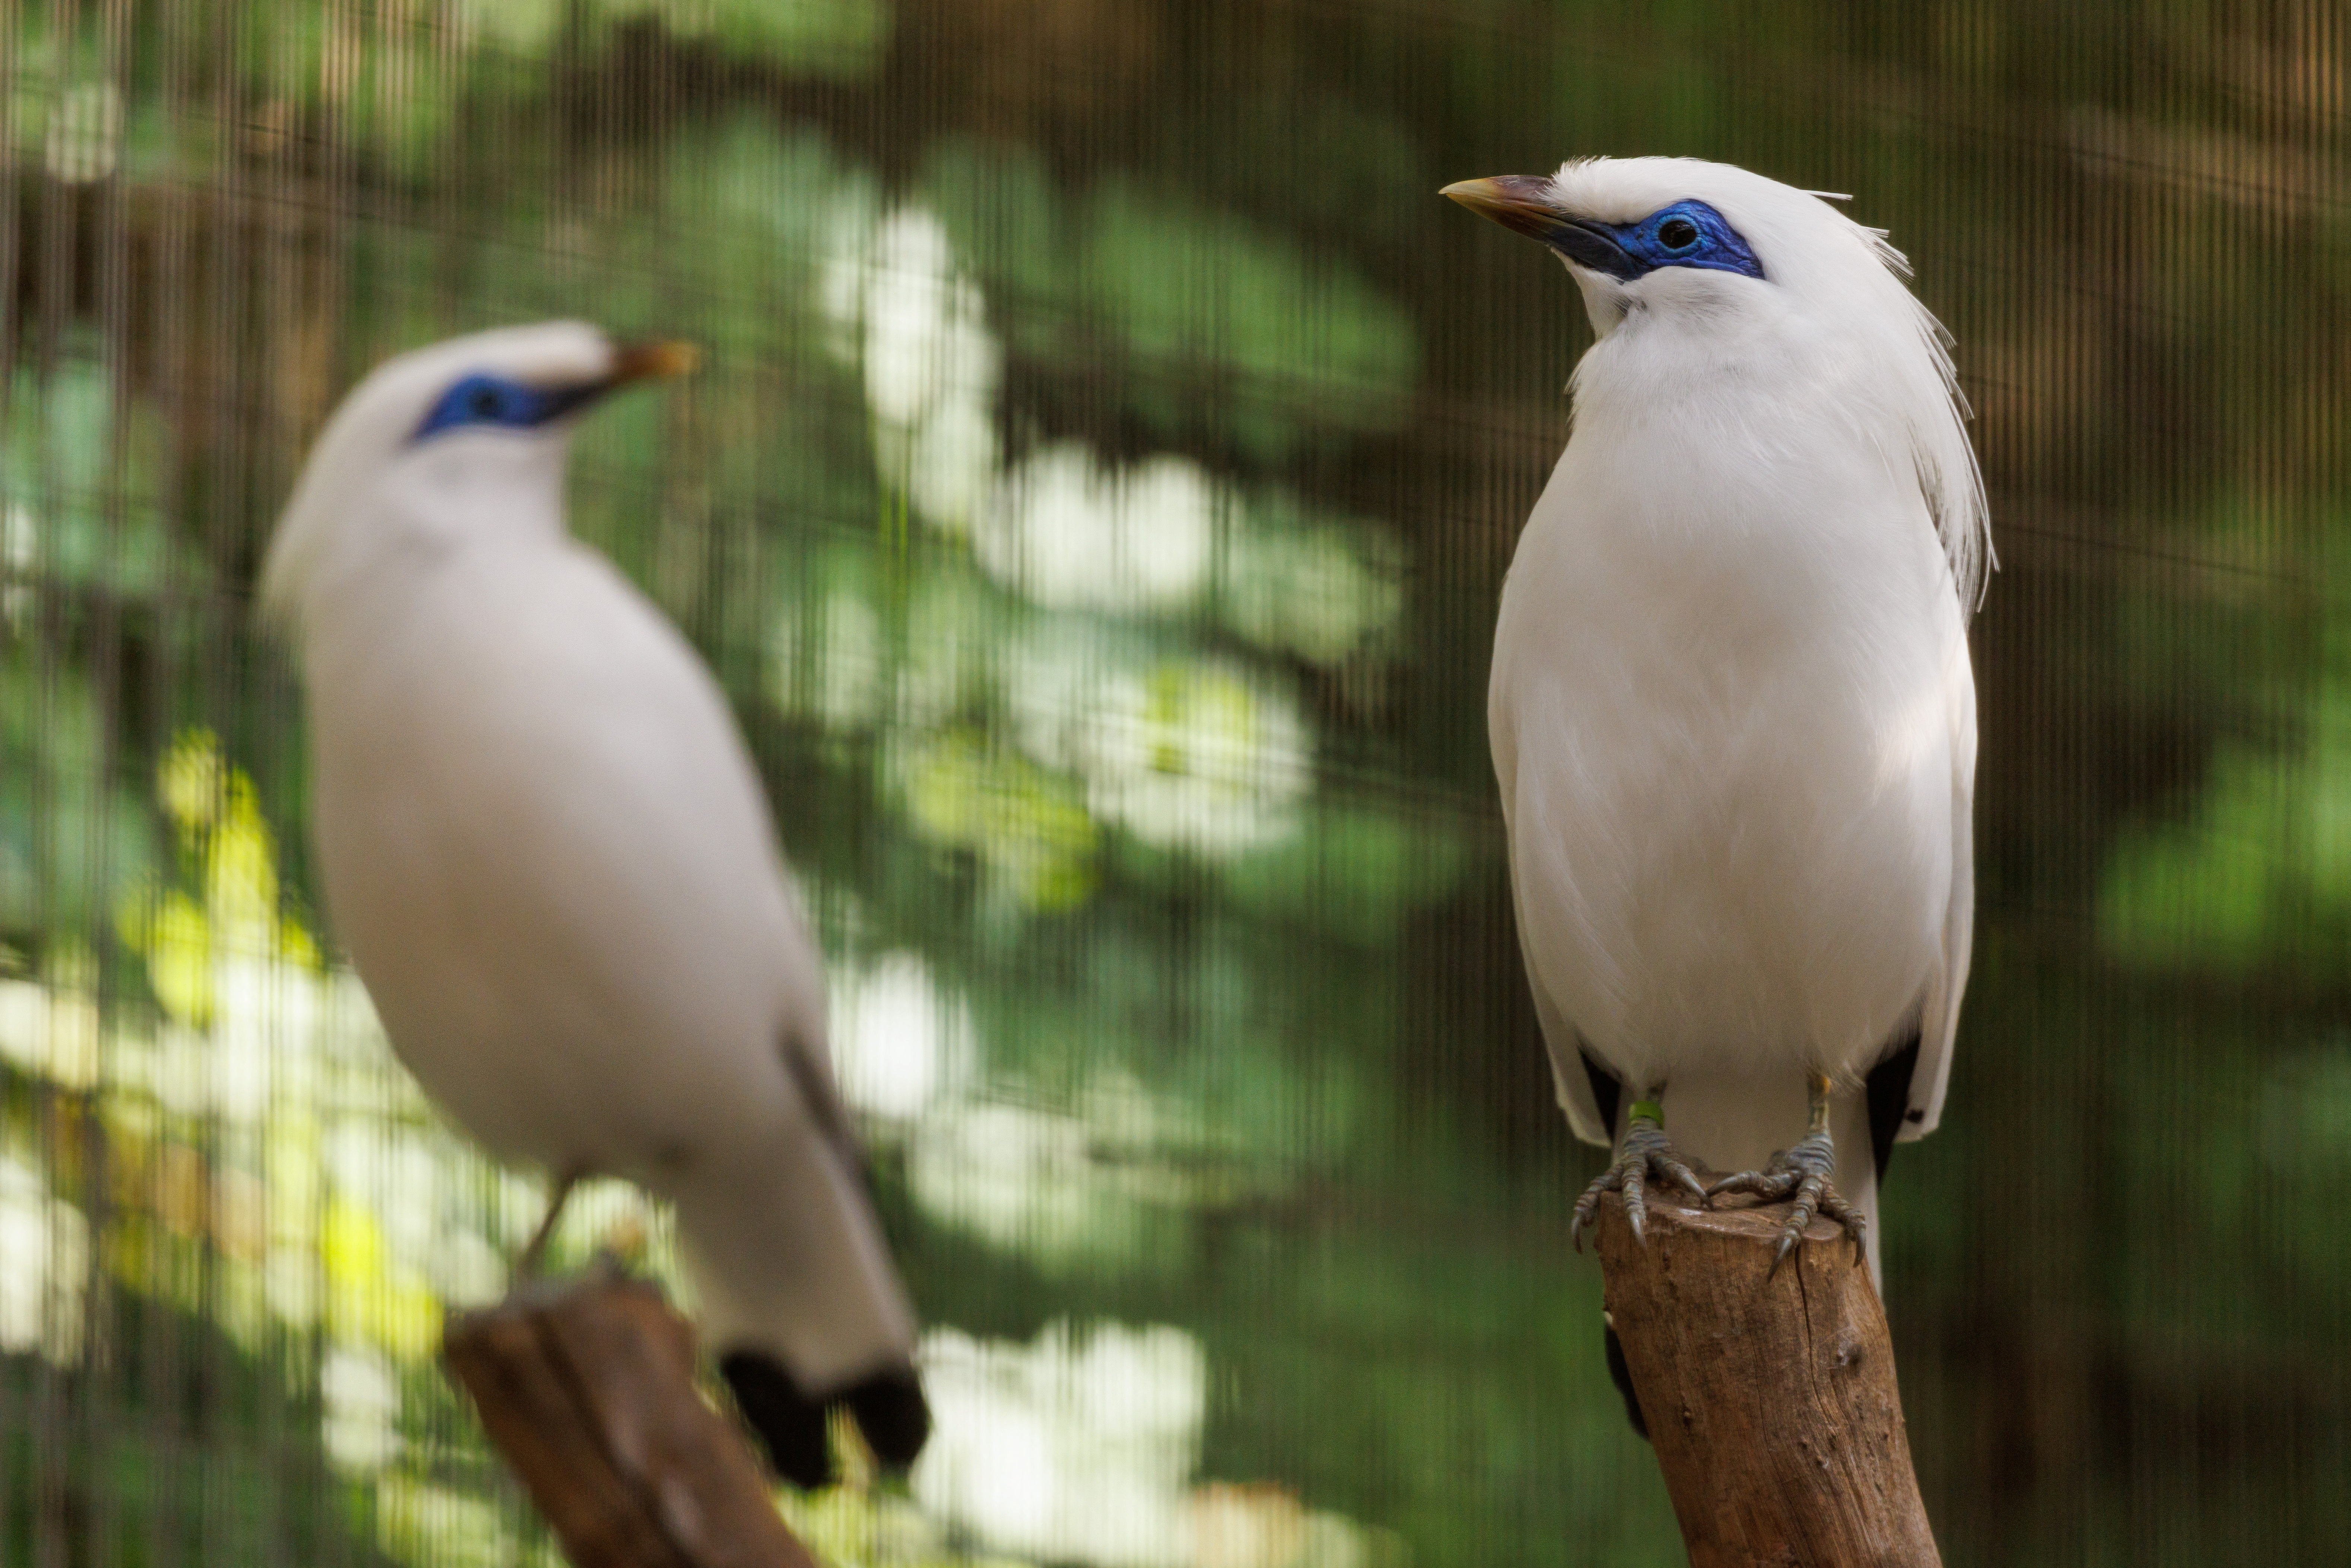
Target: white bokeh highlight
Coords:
[(1077, 1447), (1071, 534), (900, 1042)]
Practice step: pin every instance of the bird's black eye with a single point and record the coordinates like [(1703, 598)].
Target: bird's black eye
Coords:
[(1677, 234), (486, 404)]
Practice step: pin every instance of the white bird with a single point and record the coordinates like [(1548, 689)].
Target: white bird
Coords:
[(1731, 711), (546, 847)]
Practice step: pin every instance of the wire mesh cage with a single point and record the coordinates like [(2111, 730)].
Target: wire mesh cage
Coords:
[(1107, 456)]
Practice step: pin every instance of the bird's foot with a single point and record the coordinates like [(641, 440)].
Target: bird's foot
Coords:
[(1800, 1173), (1648, 1155)]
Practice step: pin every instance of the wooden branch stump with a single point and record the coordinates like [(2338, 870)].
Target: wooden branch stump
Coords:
[(1771, 1399), (586, 1388)]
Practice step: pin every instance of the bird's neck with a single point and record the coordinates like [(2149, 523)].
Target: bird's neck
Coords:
[(1797, 386), (380, 565)]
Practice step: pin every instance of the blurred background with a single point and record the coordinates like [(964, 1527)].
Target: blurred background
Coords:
[(1106, 458)]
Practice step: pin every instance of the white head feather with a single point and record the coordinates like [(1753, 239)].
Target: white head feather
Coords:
[(371, 489), (1831, 322)]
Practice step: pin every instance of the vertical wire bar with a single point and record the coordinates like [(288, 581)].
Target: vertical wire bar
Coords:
[(282, 329), (176, 203), (15, 580), (338, 65), (101, 1398), (56, 284), (232, 406)]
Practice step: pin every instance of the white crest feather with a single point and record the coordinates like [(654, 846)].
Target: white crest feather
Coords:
[(1949, 474)]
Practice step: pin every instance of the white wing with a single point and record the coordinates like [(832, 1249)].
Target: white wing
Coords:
[(549, 853), (1939, 1023), (1569, 1081)]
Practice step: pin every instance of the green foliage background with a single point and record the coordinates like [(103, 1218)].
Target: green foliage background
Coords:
[(1247, 983)]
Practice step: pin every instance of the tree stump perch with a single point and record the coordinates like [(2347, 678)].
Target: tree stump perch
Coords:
[(586, 1388), (1771, 1399)]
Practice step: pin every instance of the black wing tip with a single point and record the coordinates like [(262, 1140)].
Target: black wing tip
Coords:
[(1607, 1092), (888, 1406), (1888, 1091), (1621, 1374)]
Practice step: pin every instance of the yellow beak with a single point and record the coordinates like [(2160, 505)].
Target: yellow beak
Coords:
[(1518, 202), (653, 361)]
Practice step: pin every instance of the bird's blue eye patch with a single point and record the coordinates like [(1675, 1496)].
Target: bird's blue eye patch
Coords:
[(1690, 234), (492, 401), (1686, 234)]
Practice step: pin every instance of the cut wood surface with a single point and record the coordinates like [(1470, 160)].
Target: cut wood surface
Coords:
[(1770, 1398), (587, 1387)]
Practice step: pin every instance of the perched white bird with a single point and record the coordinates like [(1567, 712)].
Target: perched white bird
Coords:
[(547, 849), (1731, 711)]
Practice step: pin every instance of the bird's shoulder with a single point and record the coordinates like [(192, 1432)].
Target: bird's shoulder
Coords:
[(561, 635), (576, 605), (521, 666)]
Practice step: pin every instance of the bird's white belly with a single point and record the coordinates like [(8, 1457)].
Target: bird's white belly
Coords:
[(1730, 814), (1690, 923), (579, 967), (544, 1048)]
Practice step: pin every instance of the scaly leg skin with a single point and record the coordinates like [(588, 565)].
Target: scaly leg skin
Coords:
[(1802, 1173), (526, 1266), (1647, 1154)]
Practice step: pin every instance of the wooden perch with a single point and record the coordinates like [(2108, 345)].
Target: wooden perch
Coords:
[(1771, 1399), (587, 1387)]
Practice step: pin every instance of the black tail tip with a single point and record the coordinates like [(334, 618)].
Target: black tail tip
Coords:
[(888, 1406), (788, 1422), (892, 1414)]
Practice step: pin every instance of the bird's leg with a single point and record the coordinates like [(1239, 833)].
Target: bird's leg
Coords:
[(526, 1266), (1802, 1173), (1647, 1154)]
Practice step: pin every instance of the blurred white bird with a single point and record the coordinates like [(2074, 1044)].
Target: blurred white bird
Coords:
[(1731, 710), (547, 849)]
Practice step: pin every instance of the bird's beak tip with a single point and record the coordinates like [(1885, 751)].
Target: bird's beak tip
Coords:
[(1518, 202), (654, 361)]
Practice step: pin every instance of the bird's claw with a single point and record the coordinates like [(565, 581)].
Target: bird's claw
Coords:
[(1647, 1154), (1800, 1173)]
